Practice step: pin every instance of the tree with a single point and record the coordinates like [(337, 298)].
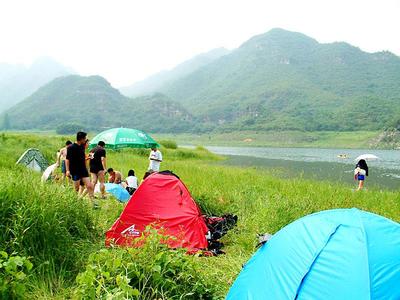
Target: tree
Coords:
[(6, 122), (69, 128)]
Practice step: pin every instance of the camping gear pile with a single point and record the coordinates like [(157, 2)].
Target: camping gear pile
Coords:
[(164, 202), (334, 254)]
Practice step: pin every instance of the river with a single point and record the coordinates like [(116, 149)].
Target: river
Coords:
[(319, 164)]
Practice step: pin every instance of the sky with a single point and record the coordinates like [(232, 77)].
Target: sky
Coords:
[(128, 40)]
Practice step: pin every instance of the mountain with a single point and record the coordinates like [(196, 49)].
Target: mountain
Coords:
[(157, 81), (288, 81), (280, 80), (93, 104), (18, 81)]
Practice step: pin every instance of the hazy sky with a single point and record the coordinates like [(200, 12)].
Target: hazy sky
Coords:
[(127, 40)]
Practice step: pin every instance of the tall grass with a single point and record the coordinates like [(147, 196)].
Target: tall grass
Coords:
[(263, 202), (151, 272), (48, 223)]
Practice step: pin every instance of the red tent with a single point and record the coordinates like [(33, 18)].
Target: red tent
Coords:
[(163, 201)]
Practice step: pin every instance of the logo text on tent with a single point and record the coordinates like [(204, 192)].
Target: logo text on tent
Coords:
[(130, 231)]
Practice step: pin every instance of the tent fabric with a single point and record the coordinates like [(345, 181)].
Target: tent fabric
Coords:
[(47, 174), (335, 254), (117, 191), (34, 160), (162, 200)]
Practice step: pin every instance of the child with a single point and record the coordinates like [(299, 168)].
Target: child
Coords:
[(131, 182), (360, 172)]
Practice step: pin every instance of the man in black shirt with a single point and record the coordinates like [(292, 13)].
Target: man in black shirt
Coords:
[(98, 165), (75, 163)]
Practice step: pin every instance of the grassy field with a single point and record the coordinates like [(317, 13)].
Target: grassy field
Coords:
[(321, 139), (64, 237)]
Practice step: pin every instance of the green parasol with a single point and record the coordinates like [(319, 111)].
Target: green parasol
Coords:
[(117, 138)]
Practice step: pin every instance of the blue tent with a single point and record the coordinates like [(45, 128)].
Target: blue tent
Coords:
[(118, 192), (335, 254)]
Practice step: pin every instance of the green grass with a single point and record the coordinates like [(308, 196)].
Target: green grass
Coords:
[(318, 139), (262, 201)]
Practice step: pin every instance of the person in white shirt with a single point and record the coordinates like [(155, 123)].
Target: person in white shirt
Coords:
[(155, 160), (131, 182)]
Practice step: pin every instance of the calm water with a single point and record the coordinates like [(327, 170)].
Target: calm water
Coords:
[(320, 164)]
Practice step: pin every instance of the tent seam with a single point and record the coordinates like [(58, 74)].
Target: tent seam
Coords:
[(315, 258), (366, 251)]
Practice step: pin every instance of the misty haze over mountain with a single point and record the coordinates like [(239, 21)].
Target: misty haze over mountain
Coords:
[(157, 81), (18, 81)]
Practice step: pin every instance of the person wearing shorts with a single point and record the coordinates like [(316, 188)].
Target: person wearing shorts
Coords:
[(360, 172), (98, 166), (75, 163), (62, 155)]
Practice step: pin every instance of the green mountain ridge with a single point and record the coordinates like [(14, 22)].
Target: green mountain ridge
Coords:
[(286, 80), (94, 104), (279, 80)]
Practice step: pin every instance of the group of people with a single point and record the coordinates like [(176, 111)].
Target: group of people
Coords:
[(73, 161)]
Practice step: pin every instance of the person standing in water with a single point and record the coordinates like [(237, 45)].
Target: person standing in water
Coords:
[(360, 172)]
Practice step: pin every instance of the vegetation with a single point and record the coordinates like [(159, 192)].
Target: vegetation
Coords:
[(70, 256), (284, 80), (68, 128), (169, 144), (74, 101), (151, 272), (6, 122), (277, 81), (322, 139), (13, 275)]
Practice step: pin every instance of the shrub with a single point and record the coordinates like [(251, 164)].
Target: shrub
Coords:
[(152, 271), (13, 274), (169, 144), (69, 128)]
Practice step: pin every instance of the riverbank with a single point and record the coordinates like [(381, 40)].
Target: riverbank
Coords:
[(263, 202), (299, 139), (319, 139), (334, 165)]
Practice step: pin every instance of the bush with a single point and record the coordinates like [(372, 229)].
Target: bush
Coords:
[(152, 271), (13, 274), (169, 144), (69, 128)]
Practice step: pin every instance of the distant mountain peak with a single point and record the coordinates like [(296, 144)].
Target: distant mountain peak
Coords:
[(157, 81), (278, 37)]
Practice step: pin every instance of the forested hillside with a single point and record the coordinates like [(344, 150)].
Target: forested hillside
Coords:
[(279, 80), (286, 80), (93, 104)]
